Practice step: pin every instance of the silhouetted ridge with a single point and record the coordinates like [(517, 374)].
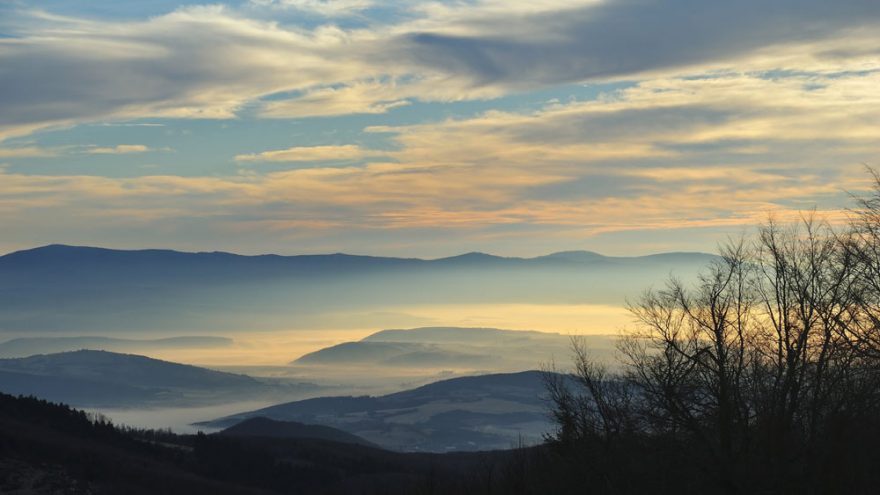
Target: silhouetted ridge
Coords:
[(265, 427), (29, 346), (355, 352), (84, 253), (473, 258), (123, 368)]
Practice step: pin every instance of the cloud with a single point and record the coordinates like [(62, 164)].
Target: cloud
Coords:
[(200, 62), (667, 155), (329, 8), (55, 151), (356, 97), (27, 152), (731, 110), (348, 152), (130, 124), (120, 149), (211, 62), (629, 38)]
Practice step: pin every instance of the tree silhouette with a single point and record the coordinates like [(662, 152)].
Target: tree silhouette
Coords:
[(763, 376)]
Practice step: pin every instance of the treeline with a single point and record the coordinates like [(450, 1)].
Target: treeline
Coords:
[(53, 448), (763, 377)]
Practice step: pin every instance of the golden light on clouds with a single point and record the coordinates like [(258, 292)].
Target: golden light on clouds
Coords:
[(469, 122)]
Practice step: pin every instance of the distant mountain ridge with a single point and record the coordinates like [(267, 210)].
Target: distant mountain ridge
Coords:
[(123, 368), (453, 334), (29, 346), (64, 252), (392, 354), (68, 289), (103, 378), (462, 348)]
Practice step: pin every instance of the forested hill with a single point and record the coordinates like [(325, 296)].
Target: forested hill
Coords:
[(51, 448)]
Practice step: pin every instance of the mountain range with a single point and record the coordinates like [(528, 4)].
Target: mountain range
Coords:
[(29, 346), (60, 288)]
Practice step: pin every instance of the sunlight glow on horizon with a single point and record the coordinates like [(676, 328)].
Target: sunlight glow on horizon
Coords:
[(280, 347)]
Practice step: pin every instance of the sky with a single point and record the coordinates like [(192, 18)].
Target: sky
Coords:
[(431, 129)]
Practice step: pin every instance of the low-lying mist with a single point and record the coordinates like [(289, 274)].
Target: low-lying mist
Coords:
[(280, 347)]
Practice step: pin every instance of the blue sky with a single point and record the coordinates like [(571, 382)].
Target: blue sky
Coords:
[(430, 128)]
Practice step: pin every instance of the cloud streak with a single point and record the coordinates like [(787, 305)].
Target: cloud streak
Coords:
[(627, 38), (671, 155), (347, 152), (730, 110), (26, 152), (119, 149), (201, 62), (210, 62)]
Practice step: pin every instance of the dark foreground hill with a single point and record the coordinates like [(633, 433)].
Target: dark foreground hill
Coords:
[(265, 427), (49, 448), (460, 414), (52, 449), (108, 379)]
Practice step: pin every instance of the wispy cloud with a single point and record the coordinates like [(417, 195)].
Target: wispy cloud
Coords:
[(130, 124), (347, 152), (200, 62), (356, 97), (673, 154), (329, 8), (730, 110), (622, 39), (209, 62), (27, 152), (119, 149)]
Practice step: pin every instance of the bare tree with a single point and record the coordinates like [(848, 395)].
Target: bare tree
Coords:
[(761, 374), (862, 243)]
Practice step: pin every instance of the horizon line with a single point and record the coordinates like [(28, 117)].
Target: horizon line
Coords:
[(340, 253)]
